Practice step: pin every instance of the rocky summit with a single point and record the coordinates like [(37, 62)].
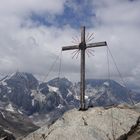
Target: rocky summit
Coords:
[(97, 123)]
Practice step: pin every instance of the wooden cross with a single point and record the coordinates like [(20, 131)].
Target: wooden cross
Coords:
[(82, 47)]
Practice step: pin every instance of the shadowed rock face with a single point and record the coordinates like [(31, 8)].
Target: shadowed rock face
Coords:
[(5, 135), (14, 124), (17, 88), (93, 124)]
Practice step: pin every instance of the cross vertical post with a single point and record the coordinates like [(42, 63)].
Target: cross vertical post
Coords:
[(82, 83), (82, 46)]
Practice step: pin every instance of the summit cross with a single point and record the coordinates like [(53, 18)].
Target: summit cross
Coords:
[(82, 46)]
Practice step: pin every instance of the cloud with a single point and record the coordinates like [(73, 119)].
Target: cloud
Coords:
[(23, 7)]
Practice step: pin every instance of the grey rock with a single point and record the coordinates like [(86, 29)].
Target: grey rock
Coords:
[(93, 124)]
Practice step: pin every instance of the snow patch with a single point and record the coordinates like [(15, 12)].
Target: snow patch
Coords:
[(60, 106), (33, 102), (69, 93), (10, 108), (2, 114), (9, 89), (19, 111), (7, 131), (3, 83), (91, 92), (9, 76), (77, 97), (52, 89), (38, 96), (102, 89), (106, 84), (86, 97)]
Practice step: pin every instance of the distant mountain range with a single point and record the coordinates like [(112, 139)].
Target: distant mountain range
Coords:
[(21, 93)]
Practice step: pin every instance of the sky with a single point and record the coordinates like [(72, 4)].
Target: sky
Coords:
[(32, 33)]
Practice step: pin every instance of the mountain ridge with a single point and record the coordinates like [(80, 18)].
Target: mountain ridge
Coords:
[(25, 91)]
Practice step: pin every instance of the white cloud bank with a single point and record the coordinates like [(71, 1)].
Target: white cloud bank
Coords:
[(32, 47)]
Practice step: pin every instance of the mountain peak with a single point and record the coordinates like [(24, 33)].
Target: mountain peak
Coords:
[(21, 78), (24, 75)]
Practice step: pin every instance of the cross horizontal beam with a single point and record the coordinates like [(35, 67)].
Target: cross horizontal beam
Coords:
[(98, 44), (91, 45), (65, 48)]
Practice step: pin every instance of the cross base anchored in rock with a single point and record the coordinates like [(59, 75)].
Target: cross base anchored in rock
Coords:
[(82, 47)]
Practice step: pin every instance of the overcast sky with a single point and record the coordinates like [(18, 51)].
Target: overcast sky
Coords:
[(32, 33)]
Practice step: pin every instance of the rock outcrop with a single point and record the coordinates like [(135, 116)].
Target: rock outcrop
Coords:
[(94, 124)]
